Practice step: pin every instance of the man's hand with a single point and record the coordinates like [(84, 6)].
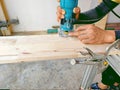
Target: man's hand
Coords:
[(61, 12), (91, 34)]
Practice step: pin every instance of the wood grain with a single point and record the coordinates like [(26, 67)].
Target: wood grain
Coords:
[(14, 49)]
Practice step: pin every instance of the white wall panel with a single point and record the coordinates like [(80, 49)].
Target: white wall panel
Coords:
[(37, 14)]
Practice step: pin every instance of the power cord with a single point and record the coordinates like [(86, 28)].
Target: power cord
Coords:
[(112, 10)]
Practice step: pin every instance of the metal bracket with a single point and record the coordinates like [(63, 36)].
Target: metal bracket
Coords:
[(93, 57), (93, 61), (6, 24)]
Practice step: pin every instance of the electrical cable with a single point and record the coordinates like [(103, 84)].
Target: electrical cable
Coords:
[(89, 21), (112, 10)]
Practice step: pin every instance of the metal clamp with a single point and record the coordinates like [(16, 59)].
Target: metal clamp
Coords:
[(95, 58)]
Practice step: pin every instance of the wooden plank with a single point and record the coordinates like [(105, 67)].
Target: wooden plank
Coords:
[(41, 32), (14, 49), (4, 17)]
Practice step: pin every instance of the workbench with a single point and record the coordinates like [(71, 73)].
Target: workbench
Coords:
[(15, 49)]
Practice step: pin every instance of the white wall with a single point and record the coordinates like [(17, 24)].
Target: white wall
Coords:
[(37, 14), (33, 14), (112, 17)]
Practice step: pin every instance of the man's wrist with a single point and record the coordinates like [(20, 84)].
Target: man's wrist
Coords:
[(109, 36)]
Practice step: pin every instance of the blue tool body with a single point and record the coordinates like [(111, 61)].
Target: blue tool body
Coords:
[(67, 23)]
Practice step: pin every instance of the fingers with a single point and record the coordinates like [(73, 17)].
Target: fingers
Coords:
[(83, 37), (86, 38), (77, 12), (82, 30), (85, 27), (87, 41), (58, 0), (60, 13), (63, 11), (77, 33), (74, 34), (86, 34)]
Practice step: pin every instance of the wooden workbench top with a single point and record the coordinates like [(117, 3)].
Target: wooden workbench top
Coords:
[(14, 49)]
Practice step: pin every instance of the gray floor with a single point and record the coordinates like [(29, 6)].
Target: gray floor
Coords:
[(54, 75)]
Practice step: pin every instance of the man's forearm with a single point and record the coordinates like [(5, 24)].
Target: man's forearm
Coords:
[(97, 13)]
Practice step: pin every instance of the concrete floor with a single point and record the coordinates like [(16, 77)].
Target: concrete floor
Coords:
[(42, 75)]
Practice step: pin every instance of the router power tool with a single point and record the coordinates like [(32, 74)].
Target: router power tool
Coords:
[(88, 17), (67, 23)]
